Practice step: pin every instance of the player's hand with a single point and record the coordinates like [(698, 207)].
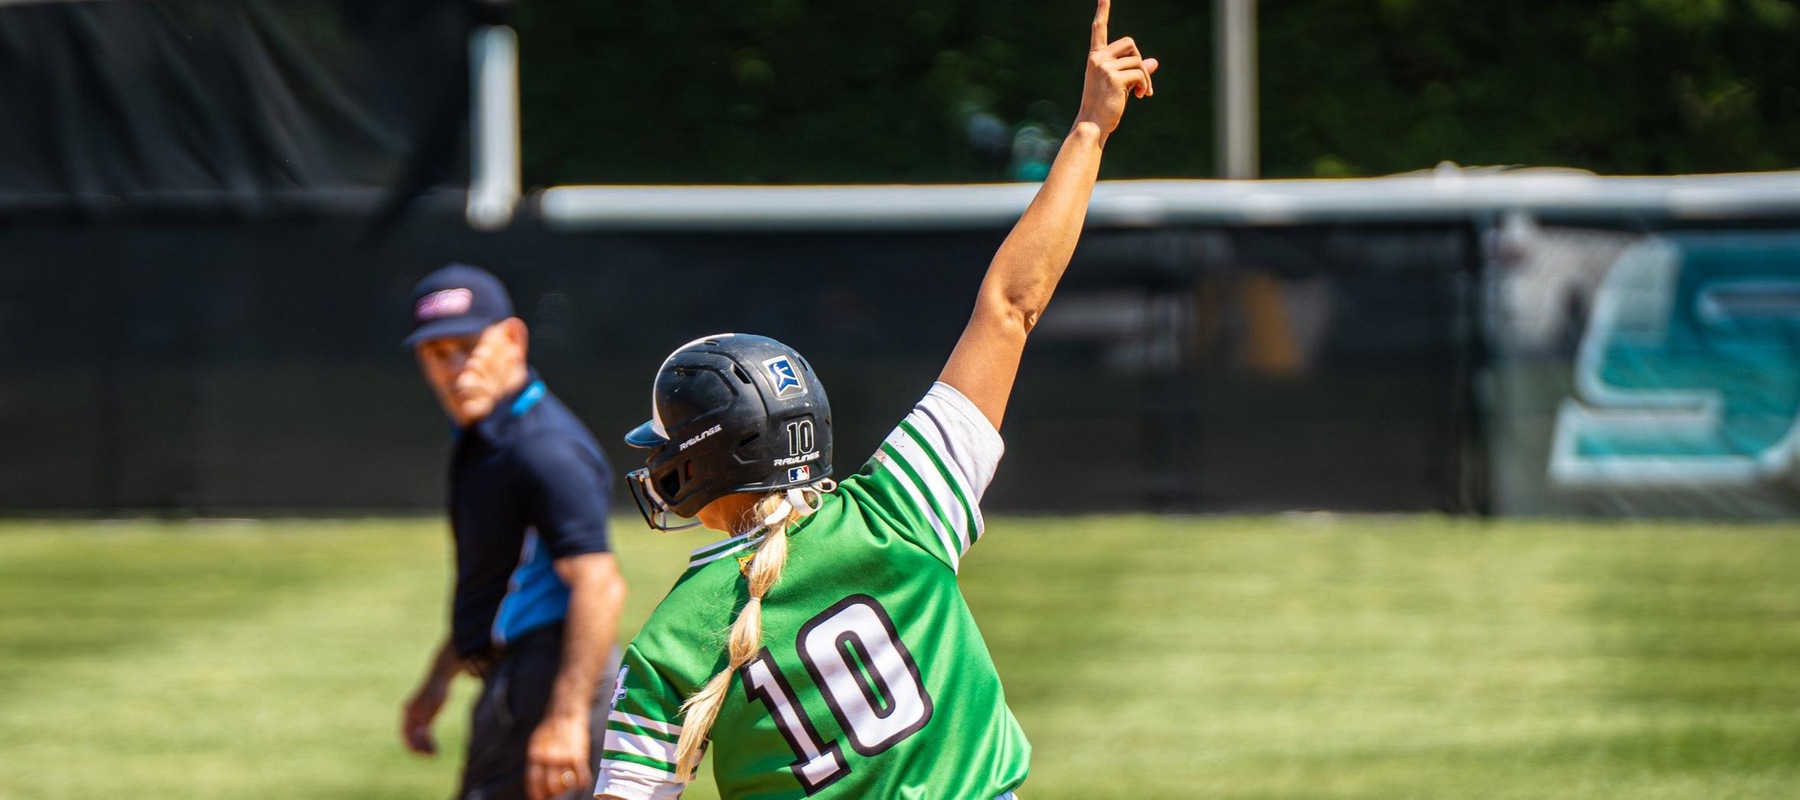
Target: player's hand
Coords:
[(557, 759), (416, 716), (1114, 71)]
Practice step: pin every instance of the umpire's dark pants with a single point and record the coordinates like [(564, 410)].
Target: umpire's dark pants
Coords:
[(514, 695)]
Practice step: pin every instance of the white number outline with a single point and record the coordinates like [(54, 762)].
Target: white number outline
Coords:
[(763, 682), (870, 697), (819, 764)]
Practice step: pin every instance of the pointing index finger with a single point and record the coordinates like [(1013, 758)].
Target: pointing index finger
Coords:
[(1098, 38)]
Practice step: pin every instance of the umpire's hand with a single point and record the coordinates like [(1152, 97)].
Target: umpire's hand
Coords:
[(416, 716), (557, 759)]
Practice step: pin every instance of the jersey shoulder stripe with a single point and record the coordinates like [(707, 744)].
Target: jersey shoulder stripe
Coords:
[(969, 428), (894, 473), (934, 467), (971, 517), (918, 466), (960, 442)]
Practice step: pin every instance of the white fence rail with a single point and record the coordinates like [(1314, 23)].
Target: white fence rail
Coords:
[(1441, 194)]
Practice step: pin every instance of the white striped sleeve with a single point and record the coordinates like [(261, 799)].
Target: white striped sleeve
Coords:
[(942, 458), (637, 760), (621, 742), (626, 780)]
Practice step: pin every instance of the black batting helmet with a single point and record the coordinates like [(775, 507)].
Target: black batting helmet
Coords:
[(729, 413)]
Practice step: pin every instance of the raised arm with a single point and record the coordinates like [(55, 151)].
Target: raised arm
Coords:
[(1025, 271)]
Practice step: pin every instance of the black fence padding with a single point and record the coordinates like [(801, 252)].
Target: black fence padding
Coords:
[(253, 366), (126, 104)]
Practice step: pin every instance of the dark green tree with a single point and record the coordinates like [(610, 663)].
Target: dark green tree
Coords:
[(790, 91)]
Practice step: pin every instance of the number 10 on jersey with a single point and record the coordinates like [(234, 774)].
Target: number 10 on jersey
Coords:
[(854, 655)]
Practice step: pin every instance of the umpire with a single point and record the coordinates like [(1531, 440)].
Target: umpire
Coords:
[(538, 594)]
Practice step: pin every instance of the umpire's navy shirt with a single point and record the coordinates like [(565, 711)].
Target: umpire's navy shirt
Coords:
[(528, 485)]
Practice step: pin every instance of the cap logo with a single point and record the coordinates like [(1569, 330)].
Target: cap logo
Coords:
[(443, 303), (784, 377), (800, 474)]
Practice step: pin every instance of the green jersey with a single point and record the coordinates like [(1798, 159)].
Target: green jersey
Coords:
[(873, 680)]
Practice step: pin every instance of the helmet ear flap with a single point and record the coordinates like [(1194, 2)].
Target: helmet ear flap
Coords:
[(669, 483)]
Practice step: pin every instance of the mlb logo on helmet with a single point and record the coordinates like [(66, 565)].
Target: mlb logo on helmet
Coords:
[(801, 473), (785, 378)]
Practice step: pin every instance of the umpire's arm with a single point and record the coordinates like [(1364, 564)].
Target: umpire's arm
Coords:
[(560, 745), (569, 511)]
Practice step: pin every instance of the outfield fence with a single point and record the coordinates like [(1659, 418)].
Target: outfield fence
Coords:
[(211, 217), (1463, 341)]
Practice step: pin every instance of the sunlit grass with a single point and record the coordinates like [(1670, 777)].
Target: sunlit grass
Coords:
[(1146, 657)]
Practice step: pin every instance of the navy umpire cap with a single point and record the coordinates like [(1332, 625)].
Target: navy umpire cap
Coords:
[(456, 300)]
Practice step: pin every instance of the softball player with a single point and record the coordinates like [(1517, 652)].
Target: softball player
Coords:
[(825, 649)]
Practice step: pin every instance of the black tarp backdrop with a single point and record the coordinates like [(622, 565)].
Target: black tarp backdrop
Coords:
[(215, 106), (218, 367)]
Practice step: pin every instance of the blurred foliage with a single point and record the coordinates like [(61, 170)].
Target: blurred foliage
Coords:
[(790, 91)]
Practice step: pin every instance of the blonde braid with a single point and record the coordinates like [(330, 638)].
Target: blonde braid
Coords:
[(776, 511)]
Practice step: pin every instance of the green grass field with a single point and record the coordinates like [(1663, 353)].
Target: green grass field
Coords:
[(1307, 657)]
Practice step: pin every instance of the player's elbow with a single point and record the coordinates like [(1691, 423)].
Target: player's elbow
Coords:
[(1015, 312)]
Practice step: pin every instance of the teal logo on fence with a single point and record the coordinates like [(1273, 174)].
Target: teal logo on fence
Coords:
[(1689, 371)]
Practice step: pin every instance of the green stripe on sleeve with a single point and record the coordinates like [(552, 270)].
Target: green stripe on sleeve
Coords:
[(949, 478), (614, 755), (626, 727), (906, 469)]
